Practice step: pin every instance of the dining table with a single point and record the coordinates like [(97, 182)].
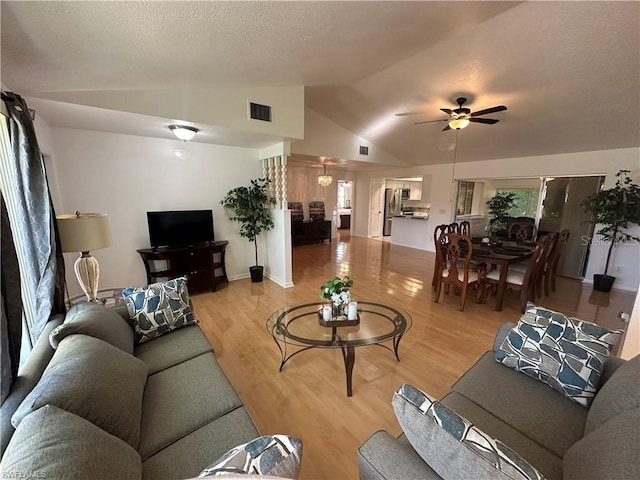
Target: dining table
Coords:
[(501, 255)]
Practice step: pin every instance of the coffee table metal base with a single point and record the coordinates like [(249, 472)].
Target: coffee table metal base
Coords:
[(348, 355)]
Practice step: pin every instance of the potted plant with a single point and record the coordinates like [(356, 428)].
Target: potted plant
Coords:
[(499, 205), (337, 292), (615, 210), (250, 207)]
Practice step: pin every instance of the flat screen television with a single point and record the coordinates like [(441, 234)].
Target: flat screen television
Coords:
[(180, 227)]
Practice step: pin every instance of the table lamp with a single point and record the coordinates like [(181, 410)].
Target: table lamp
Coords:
[(83, 232)]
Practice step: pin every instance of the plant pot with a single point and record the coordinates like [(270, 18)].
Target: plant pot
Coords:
[(603, 283), (256, 273)]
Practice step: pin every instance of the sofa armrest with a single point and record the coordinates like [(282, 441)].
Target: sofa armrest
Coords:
[(383, 456), (502, 334)]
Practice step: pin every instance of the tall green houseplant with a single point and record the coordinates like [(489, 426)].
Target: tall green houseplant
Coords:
[(499, 205), (615, 210), (250, 206)]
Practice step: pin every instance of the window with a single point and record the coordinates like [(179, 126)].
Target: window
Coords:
[(465, 197), (526, 200)]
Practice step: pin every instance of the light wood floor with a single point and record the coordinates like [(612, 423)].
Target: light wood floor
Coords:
[(308, 398)]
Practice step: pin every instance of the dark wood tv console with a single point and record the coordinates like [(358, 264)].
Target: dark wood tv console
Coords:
[(203, 265), (315, 231)]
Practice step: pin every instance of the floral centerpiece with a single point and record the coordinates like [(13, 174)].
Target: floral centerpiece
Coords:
[(337, 291)]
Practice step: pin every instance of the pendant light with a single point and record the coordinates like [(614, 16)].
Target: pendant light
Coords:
[(325, 180)]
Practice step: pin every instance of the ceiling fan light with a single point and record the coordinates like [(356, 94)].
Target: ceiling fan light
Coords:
[(183, 132), (458, 123)]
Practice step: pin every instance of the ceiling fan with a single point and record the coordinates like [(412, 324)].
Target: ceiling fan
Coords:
[(460, 117)]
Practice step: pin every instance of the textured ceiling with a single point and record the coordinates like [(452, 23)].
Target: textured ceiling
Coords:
[(569, 72)]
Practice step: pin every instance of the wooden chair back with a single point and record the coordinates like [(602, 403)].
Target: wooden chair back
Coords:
[(521, 231), (454, 228), (465, 228), (552, 267), (544, 266), (440, 251), (455, 268)]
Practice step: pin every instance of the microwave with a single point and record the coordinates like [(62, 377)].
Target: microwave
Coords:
[(405, 193)]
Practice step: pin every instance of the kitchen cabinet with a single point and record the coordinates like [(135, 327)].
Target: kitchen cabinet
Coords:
[(416, 191)]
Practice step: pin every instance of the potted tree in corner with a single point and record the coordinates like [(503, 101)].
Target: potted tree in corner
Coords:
[(615, 210), (250, 207)]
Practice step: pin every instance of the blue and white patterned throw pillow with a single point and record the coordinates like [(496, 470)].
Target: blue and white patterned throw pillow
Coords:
[(451, 445), (273, 455), (565, 353), (158, 308)]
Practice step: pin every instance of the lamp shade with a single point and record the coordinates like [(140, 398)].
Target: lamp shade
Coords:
[(83, 232), (458, 123)]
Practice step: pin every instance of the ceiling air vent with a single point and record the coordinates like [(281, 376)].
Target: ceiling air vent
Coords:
[(364, 150), (259, 112)]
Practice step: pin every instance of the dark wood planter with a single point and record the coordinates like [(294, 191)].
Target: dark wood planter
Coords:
[(603, 283)]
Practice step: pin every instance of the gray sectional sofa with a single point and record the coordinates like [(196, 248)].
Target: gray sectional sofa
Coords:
[(559, 437), (101, 407)]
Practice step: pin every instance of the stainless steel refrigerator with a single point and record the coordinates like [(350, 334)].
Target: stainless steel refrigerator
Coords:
[(392, 206)]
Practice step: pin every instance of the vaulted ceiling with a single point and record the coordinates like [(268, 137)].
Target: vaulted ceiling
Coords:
[(569, 72)]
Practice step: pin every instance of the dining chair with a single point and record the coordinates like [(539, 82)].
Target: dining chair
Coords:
[(525, 282), (552, 266), (458, 252), (454, 228), (521, 231), (465, 228), (439, 249), (545, 262)]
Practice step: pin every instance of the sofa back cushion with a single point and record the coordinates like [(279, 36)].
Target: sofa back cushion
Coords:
[(619, 394), (98, 321), (609, 451), (53, 443), (96, 381)]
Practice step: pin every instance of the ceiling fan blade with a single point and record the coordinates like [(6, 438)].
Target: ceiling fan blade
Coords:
[(499, 108), (431, 121), (490, 121), (448, 111), (446, 128), (403, 114)]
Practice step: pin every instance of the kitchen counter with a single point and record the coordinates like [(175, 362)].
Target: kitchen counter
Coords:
[(410, 231)]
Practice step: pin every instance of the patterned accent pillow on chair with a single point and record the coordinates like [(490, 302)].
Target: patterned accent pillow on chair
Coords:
[(316, 210), (297, 214), (565, 353), (159, 308), (451, 445), (273, 455)]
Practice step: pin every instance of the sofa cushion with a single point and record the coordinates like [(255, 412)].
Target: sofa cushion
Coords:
[(170, 350), (383, 456), (276, 455), (452, 445), (28, 377), (98, 321), (159, 308), (551, 419), (546, 462), (53, 443), (565, 353), (181, 399), (97, 382), (619, 394), (187, 456), (610, 451)]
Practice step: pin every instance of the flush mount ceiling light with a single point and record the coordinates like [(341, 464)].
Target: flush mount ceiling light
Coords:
[(183, 132), (325, 180)]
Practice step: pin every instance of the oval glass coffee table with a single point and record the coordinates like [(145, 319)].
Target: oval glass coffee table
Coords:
[(299, 326)]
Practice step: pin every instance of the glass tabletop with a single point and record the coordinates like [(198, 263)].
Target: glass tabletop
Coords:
[(300, 325)]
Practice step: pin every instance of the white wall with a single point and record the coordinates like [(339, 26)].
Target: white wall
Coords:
[(125, 176), (224, 107), (626, 259), (278, 255), (631, 345)]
